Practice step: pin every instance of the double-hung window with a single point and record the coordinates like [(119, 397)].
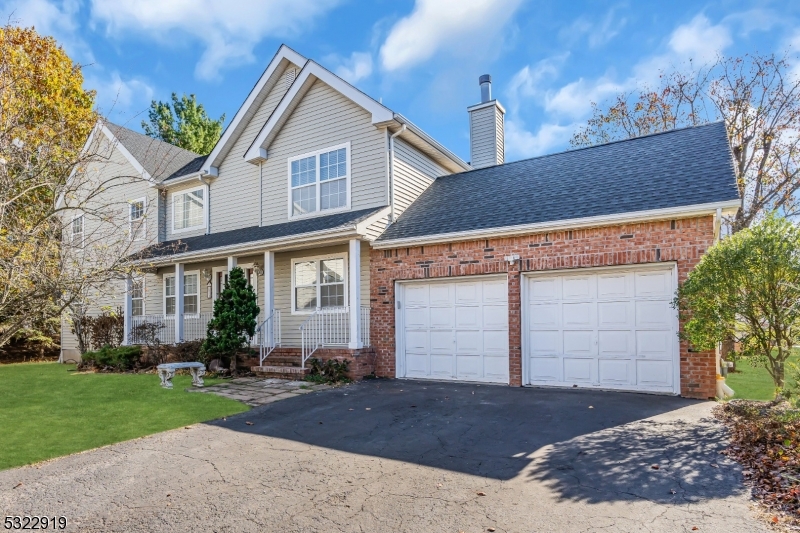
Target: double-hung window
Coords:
[(319, 181), (137, 297), (76, 231), (191, 295), (189, 209), (136, 217), (318, 283)]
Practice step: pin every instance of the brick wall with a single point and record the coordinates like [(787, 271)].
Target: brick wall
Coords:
[(682, 241)]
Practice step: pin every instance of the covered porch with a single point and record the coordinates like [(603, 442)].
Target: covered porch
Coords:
[(311, 298)]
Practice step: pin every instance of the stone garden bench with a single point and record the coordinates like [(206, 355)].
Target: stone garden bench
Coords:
[(167, 371)]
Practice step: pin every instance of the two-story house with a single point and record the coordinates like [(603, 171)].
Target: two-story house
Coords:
[(365, 238)]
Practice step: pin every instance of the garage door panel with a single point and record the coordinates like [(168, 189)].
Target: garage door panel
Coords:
[(416, 295), (579, 370), (544, 316), (456, 330), (579, 342), (545, 289), (442, 365), (546, 342), (653, 284), (616, 343), (615, 314), (610, 328), (468, 317), (654, 373), (615, 371), (614, 285), (579, 287), (495, 292), (579, 314), (442, 318), (441, 341), (469, 342), (495, 343), (545, 369), (654, 314), (655, 344)]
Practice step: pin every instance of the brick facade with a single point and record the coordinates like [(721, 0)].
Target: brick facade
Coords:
[(682, 241)]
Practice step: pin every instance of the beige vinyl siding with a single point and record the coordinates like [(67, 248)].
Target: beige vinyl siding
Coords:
[(324, 118), (500, 136), (234, 195), (170, 209), (486, 142), (413, 173), (374, 230)]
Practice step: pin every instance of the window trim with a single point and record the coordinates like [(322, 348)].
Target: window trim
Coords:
[(143, 279), (224, 269), (348, 181), (164, 293), (172, 195), (318, 258), (143, 218), (82, 233)]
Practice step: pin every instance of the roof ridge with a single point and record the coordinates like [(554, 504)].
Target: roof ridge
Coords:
[(140, 134)]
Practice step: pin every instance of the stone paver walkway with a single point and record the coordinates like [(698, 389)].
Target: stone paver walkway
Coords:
[(260, 391)]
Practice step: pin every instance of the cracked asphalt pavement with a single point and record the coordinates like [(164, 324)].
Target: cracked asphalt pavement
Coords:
[(392, 455)]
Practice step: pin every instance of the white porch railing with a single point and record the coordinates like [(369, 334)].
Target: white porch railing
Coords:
[(268, 335), (330, 327), (194, 327)]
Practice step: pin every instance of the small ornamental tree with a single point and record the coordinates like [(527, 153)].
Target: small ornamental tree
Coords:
[(747, 287), (235, 313)]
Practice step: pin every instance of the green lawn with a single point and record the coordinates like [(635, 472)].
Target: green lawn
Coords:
[(48, 410), (751, 383)]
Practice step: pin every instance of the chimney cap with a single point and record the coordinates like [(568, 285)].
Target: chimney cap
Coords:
[(484, 79)]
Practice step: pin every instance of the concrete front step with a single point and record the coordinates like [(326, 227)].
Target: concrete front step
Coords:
[(282, 372)]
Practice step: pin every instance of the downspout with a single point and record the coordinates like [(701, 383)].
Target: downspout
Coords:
[(203, 179), (260, 193), (391, 171)]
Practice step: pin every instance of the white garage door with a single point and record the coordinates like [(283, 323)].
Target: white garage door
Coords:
[(453, 330), (612, 329)]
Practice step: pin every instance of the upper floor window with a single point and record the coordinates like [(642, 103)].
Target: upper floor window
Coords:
[(76, 231), (320, 181), (136, 217), (188, 209)]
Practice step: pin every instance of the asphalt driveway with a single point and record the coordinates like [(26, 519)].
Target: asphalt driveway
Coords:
[(409, 456)]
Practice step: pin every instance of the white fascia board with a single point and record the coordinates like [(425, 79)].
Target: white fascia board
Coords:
[(562, 225), (182, 180), (433, 143), (234, 128), (310, 72), (487, 104), (86, 146), (315, 237)]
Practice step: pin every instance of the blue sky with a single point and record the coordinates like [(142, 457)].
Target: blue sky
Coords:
[(549, 59)]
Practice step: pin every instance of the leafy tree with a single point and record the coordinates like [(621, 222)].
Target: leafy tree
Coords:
[(747, 288), (235, 313), (756, 96), (184, 123)]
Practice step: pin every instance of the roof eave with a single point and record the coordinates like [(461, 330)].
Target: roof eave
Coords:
[(726, 207)]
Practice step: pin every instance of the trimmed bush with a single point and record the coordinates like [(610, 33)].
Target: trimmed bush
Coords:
[(108, 358)]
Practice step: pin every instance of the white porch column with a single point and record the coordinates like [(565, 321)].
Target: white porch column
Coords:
[(127, 310), (355, 293), (178, 302), (231, 264), (269, 293)]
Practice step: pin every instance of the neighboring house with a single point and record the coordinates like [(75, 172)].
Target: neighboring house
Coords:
[(366, 239)]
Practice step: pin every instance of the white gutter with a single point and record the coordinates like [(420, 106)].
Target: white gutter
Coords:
[(561, 225), (391, 171)]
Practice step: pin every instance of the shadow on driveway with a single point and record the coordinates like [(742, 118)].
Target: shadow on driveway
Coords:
[(552, 436)]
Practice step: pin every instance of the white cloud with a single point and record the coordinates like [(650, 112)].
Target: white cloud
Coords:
[(597, 33), (121, 99), (229, 31), (521, 143), (699, 39), (355, 68), (460, 25), (528, 81), (575, 99)]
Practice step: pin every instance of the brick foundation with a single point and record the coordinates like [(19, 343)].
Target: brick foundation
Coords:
[(682, 241)]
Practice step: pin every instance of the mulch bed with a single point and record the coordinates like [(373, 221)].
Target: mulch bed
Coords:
[(765, 440)]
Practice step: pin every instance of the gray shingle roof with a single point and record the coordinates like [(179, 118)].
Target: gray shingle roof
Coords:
[(160, 159), (683, 167), (258, 233)]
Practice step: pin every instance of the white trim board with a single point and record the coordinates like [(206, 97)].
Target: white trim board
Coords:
[(560, 225)]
